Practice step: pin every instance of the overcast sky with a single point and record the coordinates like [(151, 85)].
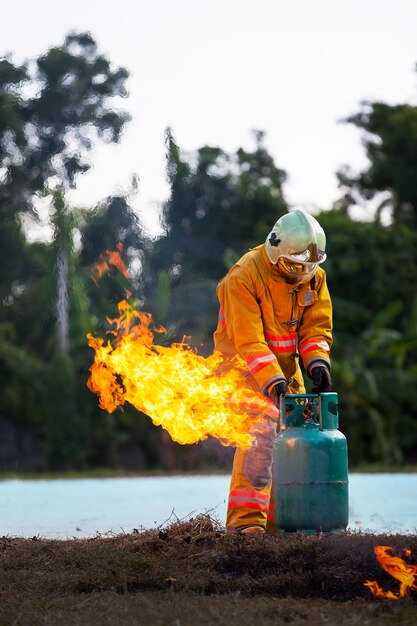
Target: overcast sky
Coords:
[(215, 69)]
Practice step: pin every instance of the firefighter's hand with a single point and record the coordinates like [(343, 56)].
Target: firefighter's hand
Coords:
[(322, 381), (276, 390)]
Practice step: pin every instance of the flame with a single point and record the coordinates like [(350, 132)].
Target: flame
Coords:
[(111, 257), (398, 569), (190, 396)]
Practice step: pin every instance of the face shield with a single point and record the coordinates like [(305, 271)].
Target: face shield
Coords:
[(300, 267)]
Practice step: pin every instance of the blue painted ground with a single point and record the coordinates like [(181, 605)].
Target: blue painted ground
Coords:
[(82, 508)]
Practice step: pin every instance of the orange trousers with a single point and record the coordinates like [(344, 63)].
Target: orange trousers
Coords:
[(250, 497)]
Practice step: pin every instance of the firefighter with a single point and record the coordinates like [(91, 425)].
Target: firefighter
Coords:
[(275, 311)]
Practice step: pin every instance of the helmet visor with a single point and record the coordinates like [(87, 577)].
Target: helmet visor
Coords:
[(296, 268), (311, 255)]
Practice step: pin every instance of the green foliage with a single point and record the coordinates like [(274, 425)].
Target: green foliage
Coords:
[(102, 228), (372, 373), (45, 138), (23, 380), (368, 267), (372, 273), (65, 431), (52, 111), (390, 139), (220, 205)]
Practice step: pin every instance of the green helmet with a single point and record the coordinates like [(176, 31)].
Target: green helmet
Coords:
[(296, 245)]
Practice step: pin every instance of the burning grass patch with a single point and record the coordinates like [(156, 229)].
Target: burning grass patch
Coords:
[(196, 560)]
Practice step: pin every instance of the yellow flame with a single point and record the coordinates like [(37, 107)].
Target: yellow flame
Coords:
[(397, 568), (110, 258), (190, 396)]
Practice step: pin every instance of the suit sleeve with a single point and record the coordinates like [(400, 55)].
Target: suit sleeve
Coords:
[(315, 332), (243, 321)]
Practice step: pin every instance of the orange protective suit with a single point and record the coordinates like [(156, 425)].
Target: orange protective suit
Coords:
[(270, 324)]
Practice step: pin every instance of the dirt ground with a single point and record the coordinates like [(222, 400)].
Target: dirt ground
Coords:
[(191, 574)]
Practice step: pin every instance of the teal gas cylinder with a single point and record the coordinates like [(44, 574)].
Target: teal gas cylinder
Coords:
[(310, 480)]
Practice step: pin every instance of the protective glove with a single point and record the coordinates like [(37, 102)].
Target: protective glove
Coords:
[(276, 390), (322, 381)]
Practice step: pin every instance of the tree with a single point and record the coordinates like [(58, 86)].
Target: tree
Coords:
[(45, 138), (52, 112), (390, 140), (368, 266), (220, 205), (12, 138), (374, 374), (372, 276), (110, 224)]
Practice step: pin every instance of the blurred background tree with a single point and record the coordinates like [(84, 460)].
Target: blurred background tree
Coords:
[(53, 110), (45, 137), (389, 134), (220, 205)]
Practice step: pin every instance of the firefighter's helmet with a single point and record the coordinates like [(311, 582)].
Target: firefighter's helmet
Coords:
[(296, 245)]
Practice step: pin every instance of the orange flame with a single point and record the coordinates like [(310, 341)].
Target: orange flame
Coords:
[(113, 258), (398, 569), (190, 396)]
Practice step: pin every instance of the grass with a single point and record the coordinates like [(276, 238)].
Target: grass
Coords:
[(191, 573)]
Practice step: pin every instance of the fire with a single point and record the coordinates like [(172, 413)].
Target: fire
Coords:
[(190, 396), (111, 257), (398, 569)]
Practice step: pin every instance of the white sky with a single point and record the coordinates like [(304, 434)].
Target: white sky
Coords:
[(214, 69)]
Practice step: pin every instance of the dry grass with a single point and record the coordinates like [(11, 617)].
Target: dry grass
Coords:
[(187, 609), (191, 573)]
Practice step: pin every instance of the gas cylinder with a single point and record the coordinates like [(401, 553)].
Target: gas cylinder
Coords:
[(310, 477)]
